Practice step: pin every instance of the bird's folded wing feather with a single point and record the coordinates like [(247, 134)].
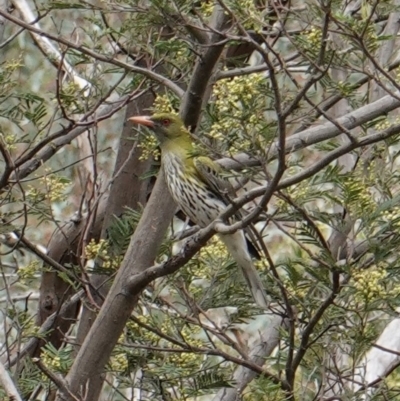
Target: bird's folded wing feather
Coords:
[(211, 174)]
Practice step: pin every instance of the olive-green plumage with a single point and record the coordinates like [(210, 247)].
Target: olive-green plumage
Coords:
[(199, 189)]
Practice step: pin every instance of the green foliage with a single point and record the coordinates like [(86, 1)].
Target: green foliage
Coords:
[(121, 229), (57, 360), (192, 330)]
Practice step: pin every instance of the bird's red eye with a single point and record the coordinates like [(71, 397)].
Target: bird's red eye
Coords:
[(166, 122)]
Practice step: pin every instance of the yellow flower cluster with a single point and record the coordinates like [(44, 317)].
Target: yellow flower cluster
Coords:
[(149, 146), (10, 141), (54, 188), (233, 100), (310, 40), (93, 248), (296, 292), (213, 254), (261, 265), (30, 329), (314, 37), (206, 8), (119, 362), (370, 287), (214, 250), (184, 359), (53, 362), (27, 273), (231, 91), (188, 334), (393, 215), (163, 104), (187, 359), (99, 251), (382, 125)]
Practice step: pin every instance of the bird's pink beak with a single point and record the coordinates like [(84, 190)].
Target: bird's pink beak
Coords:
[(142, 120)]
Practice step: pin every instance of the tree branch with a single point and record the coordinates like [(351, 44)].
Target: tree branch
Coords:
[(8, 385), (319, 133), (98, 56)]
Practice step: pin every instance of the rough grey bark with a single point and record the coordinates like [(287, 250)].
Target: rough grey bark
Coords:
[(128, 189), (119, 303)]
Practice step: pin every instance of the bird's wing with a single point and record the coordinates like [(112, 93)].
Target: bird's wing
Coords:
[(211, 174)]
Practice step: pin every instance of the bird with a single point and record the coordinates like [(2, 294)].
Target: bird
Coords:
[(200, 189)]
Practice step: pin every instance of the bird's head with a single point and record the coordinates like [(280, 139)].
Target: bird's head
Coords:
[(166, 127)]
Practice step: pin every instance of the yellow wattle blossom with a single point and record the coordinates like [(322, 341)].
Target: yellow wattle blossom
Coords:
[(100, 251), (393, 216), (369, 285), (298, 291), (314, 36), (184, 360), (163, 104), (213, 254), (206, 8), (237, 117), (261, 265), (54, 188), (93, 248), (31, 330), (59, 362), (382, 125), (214, 251), (28, 272), (10, 141), (51, 361), (119, 362), (149, 146)]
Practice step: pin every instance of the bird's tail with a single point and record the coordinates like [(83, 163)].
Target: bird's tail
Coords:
[(236, 244)]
